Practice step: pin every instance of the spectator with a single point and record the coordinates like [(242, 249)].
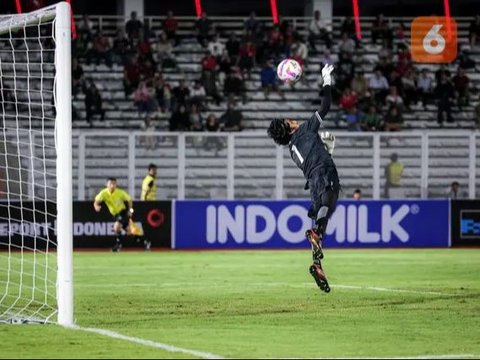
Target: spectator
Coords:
[(163, 93), (346, 45), (317, 30), (357, 194), (101, 50), (247, 57), (461, 84), (164, 46), (216, 47), (180, 120), (378, 85), (345, 72), (78, 80), (144, 98), (233, 47), (121, 48), (195, 119), (235, 85), (393, 119), (215, 142), (348, 100), (299, 51), (445, 94), (269, 80), (131, 75), (231, 120), (399, 31), (93, 103), (354, 119), (359, 86), (348, 28), (146, 68), (372, 121), (465, 61), (474, 31), (209, 63), (149, 140), (170, 26), (133, 26), (381, 30), (252, 26), (209, 81), (225, 64), (393, 176), (394, 99), (85, 28), (204, 29), (198, 95), (275, 42), (409, 87), (425, 87), (180, 94), (326, 59), (144, 48), (454, 191)]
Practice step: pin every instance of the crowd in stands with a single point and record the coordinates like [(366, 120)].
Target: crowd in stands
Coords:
[(374, 103)]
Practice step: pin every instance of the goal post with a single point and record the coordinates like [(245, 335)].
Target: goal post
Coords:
[(36, 167)]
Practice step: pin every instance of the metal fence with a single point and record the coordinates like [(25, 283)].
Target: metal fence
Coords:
[(247, 165)]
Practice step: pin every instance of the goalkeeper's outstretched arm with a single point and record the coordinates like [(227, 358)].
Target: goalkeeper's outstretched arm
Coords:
[(327, 91)]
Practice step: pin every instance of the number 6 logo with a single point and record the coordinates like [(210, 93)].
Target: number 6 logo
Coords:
[(434, 39)]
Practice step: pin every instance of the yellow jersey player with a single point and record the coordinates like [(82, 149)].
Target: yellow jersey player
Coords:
[(149, 184), (119, 204)]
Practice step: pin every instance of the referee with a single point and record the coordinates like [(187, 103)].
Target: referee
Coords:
[(119, 204), (149, 184)]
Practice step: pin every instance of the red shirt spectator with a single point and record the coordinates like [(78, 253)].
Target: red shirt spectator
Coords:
[(102, 43), (170, 24), (348, 100), (144, 47), (248, 50), (132, 71), (461, 81), (209, 63)]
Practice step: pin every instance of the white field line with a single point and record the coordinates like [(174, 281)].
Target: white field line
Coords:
[(266, 284), (150, 343)]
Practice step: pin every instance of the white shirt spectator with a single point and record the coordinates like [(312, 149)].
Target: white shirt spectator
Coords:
[(216, 47), (394, 100), (300, 49), (378, 82), (316, 26), (425, 83), (197, 91), (347, 45)]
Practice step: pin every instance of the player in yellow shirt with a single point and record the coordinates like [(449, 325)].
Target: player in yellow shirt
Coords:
[(149, 186), (119, 204)]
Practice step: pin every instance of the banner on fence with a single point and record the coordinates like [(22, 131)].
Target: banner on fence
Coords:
[(282, 224), (23, 224), (465, 222)]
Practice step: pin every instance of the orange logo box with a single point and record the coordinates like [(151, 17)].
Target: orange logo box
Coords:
[(433, 39)]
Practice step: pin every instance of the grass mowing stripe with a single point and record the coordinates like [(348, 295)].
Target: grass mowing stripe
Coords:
[(155, 344)]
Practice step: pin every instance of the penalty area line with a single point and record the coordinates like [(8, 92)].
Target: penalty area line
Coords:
[(150, 343)]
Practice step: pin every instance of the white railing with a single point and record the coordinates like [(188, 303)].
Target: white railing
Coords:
[(249, 165)]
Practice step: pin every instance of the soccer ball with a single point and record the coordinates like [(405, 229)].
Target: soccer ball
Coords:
[(289, 71)]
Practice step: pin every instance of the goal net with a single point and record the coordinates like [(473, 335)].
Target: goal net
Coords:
[(35, 167)]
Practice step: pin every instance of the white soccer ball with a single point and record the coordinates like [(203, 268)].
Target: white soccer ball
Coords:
[(289, 71)]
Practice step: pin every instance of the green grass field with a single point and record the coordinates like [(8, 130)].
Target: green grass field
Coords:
[(250, 304)]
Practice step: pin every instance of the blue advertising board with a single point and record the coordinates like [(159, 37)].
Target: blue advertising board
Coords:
[(282, 224)]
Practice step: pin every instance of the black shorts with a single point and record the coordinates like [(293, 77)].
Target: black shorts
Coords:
[(324, 186), (122, 217)]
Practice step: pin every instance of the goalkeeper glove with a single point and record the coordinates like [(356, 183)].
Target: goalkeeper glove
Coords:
[(327, 74), (329, 141)]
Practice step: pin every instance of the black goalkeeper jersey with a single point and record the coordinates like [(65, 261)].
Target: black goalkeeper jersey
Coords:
[(306, 148)]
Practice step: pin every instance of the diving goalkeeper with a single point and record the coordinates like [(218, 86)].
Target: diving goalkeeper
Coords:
[(313, 155)]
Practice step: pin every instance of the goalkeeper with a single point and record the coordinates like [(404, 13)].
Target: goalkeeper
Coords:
[(119, 204), (313, 155)]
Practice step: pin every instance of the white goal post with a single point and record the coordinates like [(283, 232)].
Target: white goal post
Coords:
[(36, 192)]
